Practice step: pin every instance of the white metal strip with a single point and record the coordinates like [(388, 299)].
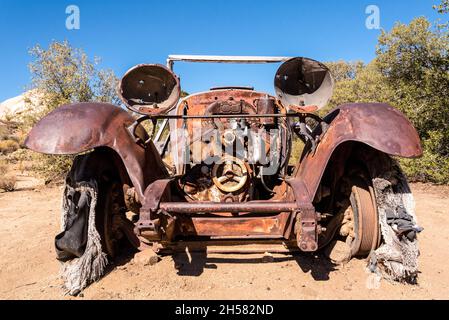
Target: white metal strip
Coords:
[(224, 59)]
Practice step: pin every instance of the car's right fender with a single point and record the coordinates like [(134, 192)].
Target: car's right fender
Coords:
[(377, 125)]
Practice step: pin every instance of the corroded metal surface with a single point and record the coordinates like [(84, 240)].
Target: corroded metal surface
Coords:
[(233, 207), (303, 82), (178, 205), (363, 205), (231, 246), (80, 127), (235, 227), (378, 125), (149, 89), (198, 103)]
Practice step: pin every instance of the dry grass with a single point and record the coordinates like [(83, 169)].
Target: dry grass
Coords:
[(8, 146), (8, 182), (3, 169), (297, 148)]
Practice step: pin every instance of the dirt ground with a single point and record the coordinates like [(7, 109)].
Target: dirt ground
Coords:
[(29, 219)]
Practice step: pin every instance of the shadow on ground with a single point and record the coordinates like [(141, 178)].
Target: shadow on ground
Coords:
[(193, 264)]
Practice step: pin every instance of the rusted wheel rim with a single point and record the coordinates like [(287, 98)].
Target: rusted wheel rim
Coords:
[(111, 220), (109, 241), (366, 226)]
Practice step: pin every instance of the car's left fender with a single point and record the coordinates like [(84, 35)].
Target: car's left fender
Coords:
[(79, 127)]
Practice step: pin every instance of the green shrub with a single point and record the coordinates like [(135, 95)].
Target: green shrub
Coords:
[(19, 156), (52, 168), (62, 74), (431, 167), (297, 148), (410, 72)]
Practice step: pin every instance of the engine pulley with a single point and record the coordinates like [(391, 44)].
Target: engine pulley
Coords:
[(230, 175)]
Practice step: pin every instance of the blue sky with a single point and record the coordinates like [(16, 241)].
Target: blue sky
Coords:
[(125, 33)]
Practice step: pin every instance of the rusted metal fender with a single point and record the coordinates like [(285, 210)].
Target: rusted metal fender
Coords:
[(79, 127), (378, 125)]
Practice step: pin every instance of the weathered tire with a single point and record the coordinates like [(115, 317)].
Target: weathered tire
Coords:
[(395, 254), (92, 199), (88, 173), (366, 226)]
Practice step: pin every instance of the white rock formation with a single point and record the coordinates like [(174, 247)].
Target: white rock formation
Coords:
[(14, 108)]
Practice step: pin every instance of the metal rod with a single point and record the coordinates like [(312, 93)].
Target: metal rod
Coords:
[(161, 130), (232, 246), (225, 116), (232, 207), (224, 59)]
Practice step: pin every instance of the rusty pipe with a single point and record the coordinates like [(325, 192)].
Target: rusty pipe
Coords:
[(232, 207)]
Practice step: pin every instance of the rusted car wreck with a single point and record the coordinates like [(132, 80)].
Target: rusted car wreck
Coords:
[(217, 166)]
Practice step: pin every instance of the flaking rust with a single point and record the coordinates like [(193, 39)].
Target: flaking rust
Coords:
[(216, 165)]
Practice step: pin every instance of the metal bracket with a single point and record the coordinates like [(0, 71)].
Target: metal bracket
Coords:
[(148, 224), (306, 227), (303, 131), (132, 129)]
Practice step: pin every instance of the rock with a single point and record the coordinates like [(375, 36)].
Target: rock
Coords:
[(267, 257), (146, 257), (338, 252), (17, 108)]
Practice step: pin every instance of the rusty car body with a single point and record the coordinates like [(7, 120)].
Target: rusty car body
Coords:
[(216, 167)]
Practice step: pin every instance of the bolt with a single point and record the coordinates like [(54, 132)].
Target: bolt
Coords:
[(321, 229), (205, 170)]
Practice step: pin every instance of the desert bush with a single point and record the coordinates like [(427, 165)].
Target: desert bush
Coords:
[(410, 72), (443, 7), (10, 137), (4, 132), (20, 155), (414, 61), (297, 148), (60, 75), (8, 182), (3, 168), (49, 167), (8, 146), (14, 138), (52, 168)]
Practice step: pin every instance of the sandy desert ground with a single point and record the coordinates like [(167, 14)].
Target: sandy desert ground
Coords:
[(29, 219)]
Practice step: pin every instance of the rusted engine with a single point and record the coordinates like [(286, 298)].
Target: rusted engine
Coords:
[(234, 159), (217, 165)]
